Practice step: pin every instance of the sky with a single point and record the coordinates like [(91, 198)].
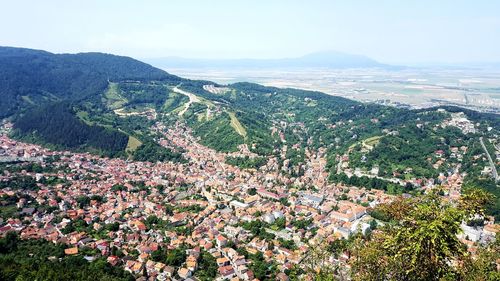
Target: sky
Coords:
[(408, 31)]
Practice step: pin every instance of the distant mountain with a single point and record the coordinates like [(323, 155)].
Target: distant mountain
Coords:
[(327, 59)]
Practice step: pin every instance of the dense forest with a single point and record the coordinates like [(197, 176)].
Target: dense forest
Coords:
[(42, 260), (138, 94), (32, 77), (153, 152), (410, 148), (58, 125)]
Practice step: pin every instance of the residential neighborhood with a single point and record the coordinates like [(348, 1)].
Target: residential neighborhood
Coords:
[(180, 221)]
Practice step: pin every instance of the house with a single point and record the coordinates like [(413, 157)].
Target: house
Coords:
[(221, 241), (159, 266), (266, 194), (348, 211), (71, 251), (238, 204), (269, 218), (311, 200), (222, 261), (138, 225), (178, 219), (248, 275), (137, 267), (169, 271), (282, 277), (470, 233), (343, 231), (491, 229), (226, 272), (113, 260), (278, 214), (184, 273), (232, 231), (191, 263)]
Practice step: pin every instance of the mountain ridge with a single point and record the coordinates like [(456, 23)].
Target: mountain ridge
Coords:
[(326, 59), (31, 76)]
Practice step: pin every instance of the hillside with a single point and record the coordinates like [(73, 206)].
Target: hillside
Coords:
[(72, 133), (109, 105), (171, 164), (43, 92), (32, 77)]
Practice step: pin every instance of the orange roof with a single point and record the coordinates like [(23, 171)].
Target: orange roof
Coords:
[(71, 251), (137, 266), (492, 227), (222, 260)]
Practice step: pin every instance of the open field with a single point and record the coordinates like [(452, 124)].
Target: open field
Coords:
[(370, 143), (413, 87), (235, 123), (113, 98), (133, 144)]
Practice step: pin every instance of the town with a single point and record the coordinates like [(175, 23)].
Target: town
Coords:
[(178, 221)]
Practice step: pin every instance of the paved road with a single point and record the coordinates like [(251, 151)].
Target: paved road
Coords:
[(492, 164), (192, 98)]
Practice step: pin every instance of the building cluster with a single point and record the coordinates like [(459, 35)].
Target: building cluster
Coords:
[(128, 211)]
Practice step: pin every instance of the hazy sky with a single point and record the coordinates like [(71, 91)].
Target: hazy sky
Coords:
[(389, 31)]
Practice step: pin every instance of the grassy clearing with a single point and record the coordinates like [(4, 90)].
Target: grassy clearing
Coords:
[(235, 123), (367, 144), (352, 146), (113, 98), (133, 144), (372, 141), (175, 102), (233, 93), (206, 102), (312, 103), (200, 117), (84, 116)]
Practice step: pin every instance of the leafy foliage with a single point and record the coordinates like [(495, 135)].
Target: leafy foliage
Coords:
[(218, 133), (207, 267), (246, 162), (31, 260), (421, 243), (174, 257), (153, 152)]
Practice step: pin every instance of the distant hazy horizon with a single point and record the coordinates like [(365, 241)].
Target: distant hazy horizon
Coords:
[(392, 32)]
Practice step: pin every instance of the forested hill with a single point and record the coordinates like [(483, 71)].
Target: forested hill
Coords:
[(33, 77), (107, 104), (44, 93)]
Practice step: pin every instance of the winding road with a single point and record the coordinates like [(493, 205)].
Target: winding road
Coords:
[(492, 164), (192, 98)]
